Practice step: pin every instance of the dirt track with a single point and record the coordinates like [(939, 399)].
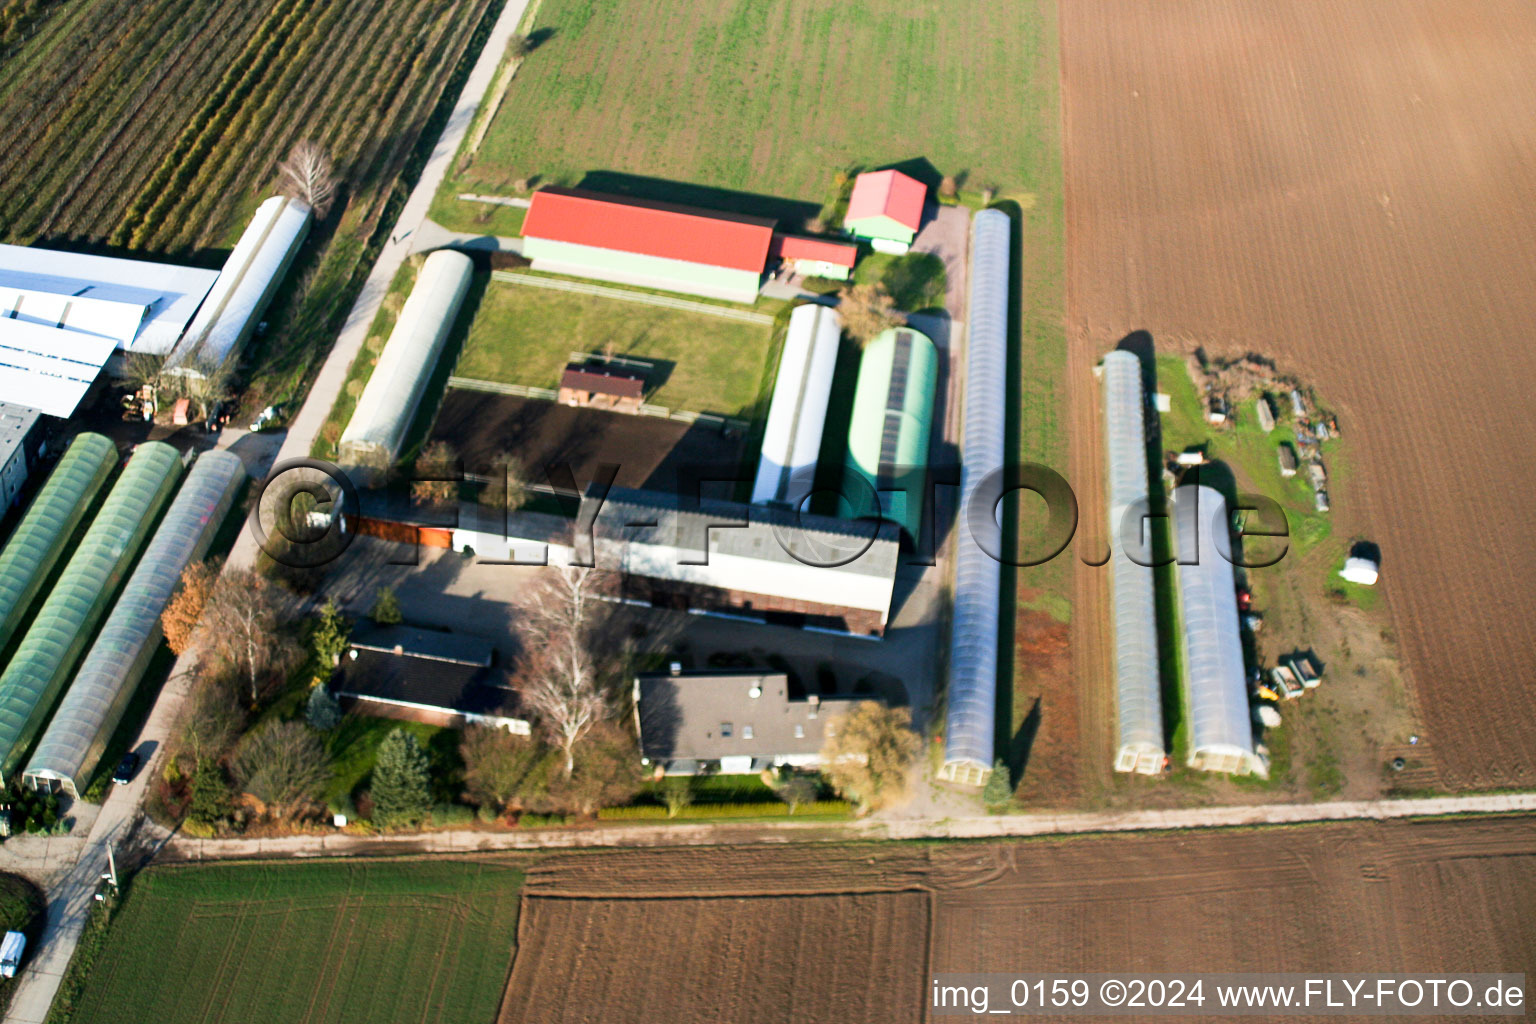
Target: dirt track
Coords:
[(756, 945), (1344, 189)]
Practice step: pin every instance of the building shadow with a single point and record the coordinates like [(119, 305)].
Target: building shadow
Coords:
[(791, 214)]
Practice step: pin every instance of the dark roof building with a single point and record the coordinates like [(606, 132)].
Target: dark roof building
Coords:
[(603, 380), (734, 722), (427, 675)]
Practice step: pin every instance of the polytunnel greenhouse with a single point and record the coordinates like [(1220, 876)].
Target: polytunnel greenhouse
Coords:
[(378, 426), (1220, 732), (801, 392), (1137, 684), (970, 722), (74, 607), (889, 428), (94, 703), (255, 267), (50, 522)]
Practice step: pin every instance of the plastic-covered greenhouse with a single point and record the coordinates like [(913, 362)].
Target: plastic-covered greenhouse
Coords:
[(94, 703), (889, 429), (1140, 727), (801, 393), (78, 600), (1220, 732), (970, 722), (373, 438), (254, 269), (45, 530)]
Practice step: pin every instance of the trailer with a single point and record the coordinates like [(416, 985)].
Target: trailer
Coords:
[(1285, 683), (1266, 413), (1305, 670), (11, 949)]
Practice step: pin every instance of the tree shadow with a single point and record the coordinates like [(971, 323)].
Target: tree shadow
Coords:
[(1022, 744)]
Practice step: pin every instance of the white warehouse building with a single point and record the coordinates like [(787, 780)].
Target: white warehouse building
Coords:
[(798, 413), (1139, 743), (1220, 730), (383, 415)]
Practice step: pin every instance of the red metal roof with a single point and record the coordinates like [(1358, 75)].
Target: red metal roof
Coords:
[(888, 193), (789, 247), (649, 228)]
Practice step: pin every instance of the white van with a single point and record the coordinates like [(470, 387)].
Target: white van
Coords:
[(10, 953)]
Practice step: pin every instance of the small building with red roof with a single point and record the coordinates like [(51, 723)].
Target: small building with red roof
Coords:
[(646, 243), (886, 208), (815, 257)]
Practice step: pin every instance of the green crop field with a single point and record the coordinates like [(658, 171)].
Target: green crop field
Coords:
[(771, 99), (524, 335), (371, 942)]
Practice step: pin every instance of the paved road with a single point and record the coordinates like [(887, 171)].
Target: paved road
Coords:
[(120, 822), (975, 827)]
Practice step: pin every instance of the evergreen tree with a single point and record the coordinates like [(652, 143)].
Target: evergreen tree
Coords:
[(323, 712), (330, 638), (402, 781), (999, 786), (210, 793), (386, 608)]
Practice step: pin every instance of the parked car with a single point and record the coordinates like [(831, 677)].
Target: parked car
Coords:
[(126, 769), (11, 949)]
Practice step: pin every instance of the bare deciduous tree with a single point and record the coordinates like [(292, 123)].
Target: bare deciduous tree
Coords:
[(560, 676), (308, 176), (283, 765), (868, 751), (211, 717), (242, 619), (867, 311)]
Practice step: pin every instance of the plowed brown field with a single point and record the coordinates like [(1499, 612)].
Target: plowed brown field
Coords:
[(707, 935), (1344, 187)]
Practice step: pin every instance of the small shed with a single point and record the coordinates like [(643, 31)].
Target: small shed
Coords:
[(1266, 413), (886, 208), (598, 386), (1287, 459), (815, 257)]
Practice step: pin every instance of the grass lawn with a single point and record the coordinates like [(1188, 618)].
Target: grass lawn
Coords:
[(524, 335), (354, 747), (766, 100), (915, 281), (336, 941)]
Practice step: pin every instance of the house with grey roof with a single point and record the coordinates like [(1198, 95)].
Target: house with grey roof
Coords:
[(733, 723)]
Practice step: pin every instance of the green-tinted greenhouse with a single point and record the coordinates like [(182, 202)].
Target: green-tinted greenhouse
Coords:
[(94, 703), (74, 607), (890, 427), (45, 530)]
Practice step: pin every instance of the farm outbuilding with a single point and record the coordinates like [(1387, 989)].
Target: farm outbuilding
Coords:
[(890, 427), (815, 257), (250, 277), (74, 607), (388, 404), (646, 243), (49, 523), (1139, 745), (1287, 458), (93, 705), (596, 386), (798, 413), (18, 449), (972, 703), (886, 209), (428, 675), (1220, 729)]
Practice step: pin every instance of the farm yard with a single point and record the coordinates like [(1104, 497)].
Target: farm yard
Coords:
[(523, 334), (156, 128), (765, 100), (1353, 222), (330, 941)]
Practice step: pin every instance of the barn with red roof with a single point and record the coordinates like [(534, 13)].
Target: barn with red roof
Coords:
[(815, 257), (886, 208), (647, 243)]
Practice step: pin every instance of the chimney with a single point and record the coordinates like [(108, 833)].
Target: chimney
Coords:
[(815, 703), (676, 668)]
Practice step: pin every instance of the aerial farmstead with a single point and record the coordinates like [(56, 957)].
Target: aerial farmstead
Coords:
[(93, 705), (973, 658), (1139, 730)]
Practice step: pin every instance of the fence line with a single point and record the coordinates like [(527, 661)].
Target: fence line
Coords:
[(551, 395), (625, 295)]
